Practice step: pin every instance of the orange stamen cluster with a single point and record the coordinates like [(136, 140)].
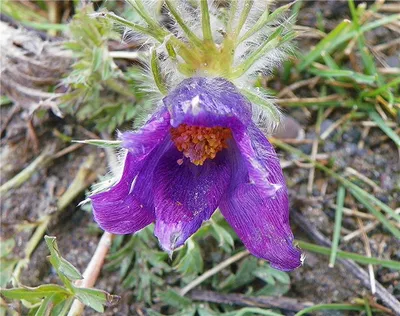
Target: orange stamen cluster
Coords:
[(200, 143)]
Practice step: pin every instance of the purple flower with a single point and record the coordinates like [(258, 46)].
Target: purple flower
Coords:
[(201, 150)]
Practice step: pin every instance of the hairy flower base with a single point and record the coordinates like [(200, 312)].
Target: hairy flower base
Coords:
[(200, 143), (202, 151)]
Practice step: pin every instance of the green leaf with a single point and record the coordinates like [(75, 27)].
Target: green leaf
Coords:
[(280, 276), (6, 247), (222, 235), (172, 298), (7, 267), (4, 100), (59, 263), (278, 282), (243, 276), (191, 262), (94, 298), (49, 303), (97, 59), (155, 69), (346, 307), (266, 18), (100, 143), (264, 274), (249, 311), (34, 294)]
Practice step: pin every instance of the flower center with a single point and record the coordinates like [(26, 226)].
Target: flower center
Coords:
[(200, 143)]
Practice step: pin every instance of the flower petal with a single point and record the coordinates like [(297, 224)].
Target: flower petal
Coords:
[(118, 210), (208, 102), (185, 195), (143, 141), (260, 218), (128, 206)]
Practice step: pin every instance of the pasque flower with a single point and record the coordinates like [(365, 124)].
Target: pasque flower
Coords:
[(201, 149)]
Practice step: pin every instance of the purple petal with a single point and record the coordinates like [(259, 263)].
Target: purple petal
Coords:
[(117, 210), (261, 219), (254, 156), (208, 102), (143, 141), (185, 195), (128, 206)]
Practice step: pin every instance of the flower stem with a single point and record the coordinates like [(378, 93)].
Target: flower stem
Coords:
[(92, 271)]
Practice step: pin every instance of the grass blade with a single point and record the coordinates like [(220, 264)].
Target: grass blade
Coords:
[(348, 184), (343, 32), (385, 222), (342, 73), (386, 129), (346, 307), (324, 44), (338, 225), (349, 255)]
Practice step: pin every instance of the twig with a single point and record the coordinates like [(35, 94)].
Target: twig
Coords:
[(331, 128), (350, 212), (390, 7), (314, 152), (387, 45), (364, 136), (286, 303), (373, 124), (14, 110), (294, 86), (363, 178), (126, 55), (67, 150), (367, 228), (31, 133), (83, 179), (44, 158), (308, 32), (389, 71), (288, 102), (92, 271), (368, 253), (350, 265), (213, 271)]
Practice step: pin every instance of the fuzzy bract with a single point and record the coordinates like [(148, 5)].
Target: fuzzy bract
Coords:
[(198, 152)]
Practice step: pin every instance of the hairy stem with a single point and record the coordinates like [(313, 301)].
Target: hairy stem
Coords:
[(92, 271)]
